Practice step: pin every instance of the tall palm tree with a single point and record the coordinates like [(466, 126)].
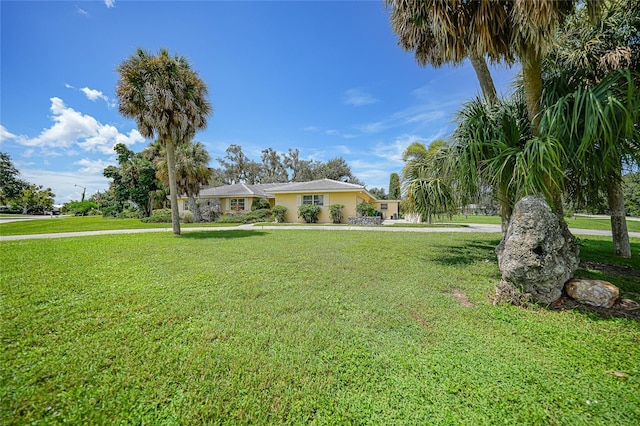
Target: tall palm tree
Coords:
[(446, 31), (426, 183), (192, 171), (167, 99)]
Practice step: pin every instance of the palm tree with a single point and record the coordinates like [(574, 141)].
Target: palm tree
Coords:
[(494, 145), (593, 83), (192, 172), (426, 183), (167, 99), (447, 31)]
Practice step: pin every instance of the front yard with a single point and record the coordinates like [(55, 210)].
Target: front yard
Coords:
[(265, 326)]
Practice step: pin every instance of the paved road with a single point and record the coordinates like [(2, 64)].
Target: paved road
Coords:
[(468, 228)]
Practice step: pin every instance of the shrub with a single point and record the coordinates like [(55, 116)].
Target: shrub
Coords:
[(261, 215), (366, 209), (80, 208), (186, 217), (278, 213), (309, 213), (335, 211), (129, 213), (260, 204), (158, 216)]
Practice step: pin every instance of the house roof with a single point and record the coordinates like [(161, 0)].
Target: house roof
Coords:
[(316, 186), (266, 190), (239, 190)]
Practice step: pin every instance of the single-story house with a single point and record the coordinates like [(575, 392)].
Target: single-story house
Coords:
[(323, 192)]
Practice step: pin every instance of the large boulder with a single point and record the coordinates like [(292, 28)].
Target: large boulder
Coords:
[(538, 254)]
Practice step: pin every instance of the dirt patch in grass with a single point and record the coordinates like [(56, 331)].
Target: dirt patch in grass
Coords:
[(461, 297)]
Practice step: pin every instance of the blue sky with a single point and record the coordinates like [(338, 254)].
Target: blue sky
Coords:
[(325, 77)]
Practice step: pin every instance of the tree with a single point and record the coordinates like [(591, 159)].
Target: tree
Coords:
[(33, 198), (301, 170), (427, 184), (238, 168), (631, 185), (378, 193), (10, 185), (273, 168), (593, 78), (337, 169), (394, 187), (134, 180), (493, 146), (167, 99), (445, 31), (192, 172)]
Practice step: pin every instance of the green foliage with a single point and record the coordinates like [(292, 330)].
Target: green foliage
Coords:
[(366, 209), (255, 216), (260, 203), (631, 186), (279, 213), (158, 216), (394, 187), (130, 213), (309, 212), (335, 211), (33, 198), (339, 328), (134, 180), (10, 185), (186, 217), (80, 208)]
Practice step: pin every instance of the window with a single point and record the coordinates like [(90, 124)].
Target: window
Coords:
[(316, 200), (237, 204), (384, 206), (186, 206)]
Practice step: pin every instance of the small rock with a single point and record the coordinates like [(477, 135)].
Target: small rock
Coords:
[(593, 292)]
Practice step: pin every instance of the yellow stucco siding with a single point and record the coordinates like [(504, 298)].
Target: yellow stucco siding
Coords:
[(349, 199), (391, 207)]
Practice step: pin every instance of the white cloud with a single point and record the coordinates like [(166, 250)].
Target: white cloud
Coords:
[(5, 134), (420, 115), (72, 128), (110, 3), (393, 151), (63, 183), (82, 11), (93, 95), (93, 166), (357, 97)]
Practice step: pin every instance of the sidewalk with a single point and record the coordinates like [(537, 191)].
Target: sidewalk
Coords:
[(483, 228)]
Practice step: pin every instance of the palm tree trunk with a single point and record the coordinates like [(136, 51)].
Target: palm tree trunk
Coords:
[(619, 233), (532, 78), (484, 78), (173, 185), (506, 209), (195, 210)]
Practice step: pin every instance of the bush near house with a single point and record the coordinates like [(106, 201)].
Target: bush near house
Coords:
[(261, 215), (278, 213), (366, 209), (309, 213), (260, 203), (158, 216), (335, 211)]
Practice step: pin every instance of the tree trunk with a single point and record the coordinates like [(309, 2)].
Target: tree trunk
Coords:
[(484, 78), (532, 78), (619, 233), (173, 185), (506, 209), (195, 210)]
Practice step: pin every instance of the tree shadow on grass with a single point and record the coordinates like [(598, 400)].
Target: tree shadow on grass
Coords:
[(214, 234), (468, 254)]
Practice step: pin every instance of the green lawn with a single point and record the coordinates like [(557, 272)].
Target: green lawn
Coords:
[(85, 223), (271, 326)]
